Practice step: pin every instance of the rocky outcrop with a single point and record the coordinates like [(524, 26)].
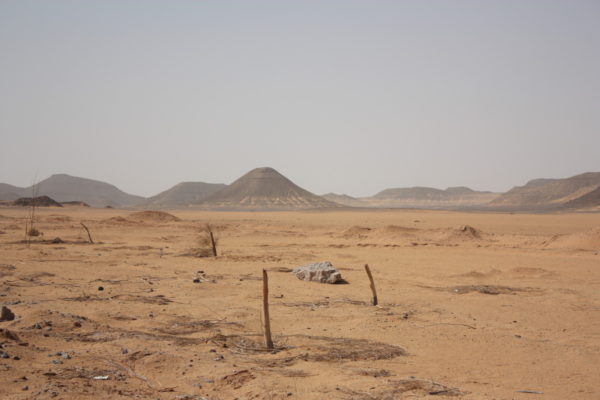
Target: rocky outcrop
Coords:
[(322, 272)]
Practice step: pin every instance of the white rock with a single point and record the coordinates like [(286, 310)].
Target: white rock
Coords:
[(322, 272)]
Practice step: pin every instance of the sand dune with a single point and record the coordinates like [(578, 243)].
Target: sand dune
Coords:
[(586, 240)]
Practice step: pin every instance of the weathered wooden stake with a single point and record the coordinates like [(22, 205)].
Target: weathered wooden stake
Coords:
[(372, 284), (88, 232), (213, 243), (266, 321)]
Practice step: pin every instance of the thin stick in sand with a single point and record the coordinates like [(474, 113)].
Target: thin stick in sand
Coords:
[(88, 232), (266, 321), (372, 284)]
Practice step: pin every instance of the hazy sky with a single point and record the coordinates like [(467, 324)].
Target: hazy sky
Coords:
[(344, 96)]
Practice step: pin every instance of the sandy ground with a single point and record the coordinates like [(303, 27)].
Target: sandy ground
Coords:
[(473, 306)]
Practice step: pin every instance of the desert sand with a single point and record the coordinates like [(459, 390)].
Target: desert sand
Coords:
[(471, 305)]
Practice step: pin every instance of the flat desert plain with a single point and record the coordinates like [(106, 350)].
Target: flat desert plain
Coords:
[(471, 306)]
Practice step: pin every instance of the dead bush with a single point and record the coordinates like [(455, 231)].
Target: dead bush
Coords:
[(207, 242)]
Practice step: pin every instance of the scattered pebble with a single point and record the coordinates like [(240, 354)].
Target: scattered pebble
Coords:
[(57, 362)]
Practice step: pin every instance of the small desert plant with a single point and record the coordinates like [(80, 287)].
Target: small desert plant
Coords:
[(30, 229), (207, 242)]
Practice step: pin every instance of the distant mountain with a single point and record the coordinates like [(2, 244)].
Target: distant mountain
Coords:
[(540, 182), (10, 192), (265, 189), (590, 200), (426, 197), (183, 194), (551, 193), (63, 188), (345, 200)]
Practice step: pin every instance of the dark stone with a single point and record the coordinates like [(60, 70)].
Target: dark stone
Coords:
[(6, 314)]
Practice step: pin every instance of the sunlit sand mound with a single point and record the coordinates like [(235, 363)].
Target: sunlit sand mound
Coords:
[(120, 221), (465, 232), (356, 231), (57, 218), (586, 240), (398, 234), (396, 231), (152, 216), (479, 274), (531, 272)]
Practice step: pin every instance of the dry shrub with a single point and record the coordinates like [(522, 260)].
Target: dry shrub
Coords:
[(346, 349), (320, 349), (238, 344), (207, 242), (374, 372), (152, 216)]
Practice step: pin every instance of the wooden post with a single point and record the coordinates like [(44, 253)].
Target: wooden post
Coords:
[(213, 244), (266, 321), (372, 284), (88, 232)]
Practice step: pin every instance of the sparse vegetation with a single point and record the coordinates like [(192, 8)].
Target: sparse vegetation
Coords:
[(207, 242), (30, 229)]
